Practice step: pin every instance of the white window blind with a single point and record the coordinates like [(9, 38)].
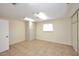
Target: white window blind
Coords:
[(47, 27)]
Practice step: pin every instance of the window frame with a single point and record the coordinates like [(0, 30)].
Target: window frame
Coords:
[(48, 25)]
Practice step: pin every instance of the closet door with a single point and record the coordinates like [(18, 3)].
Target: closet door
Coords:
[(78, 32), (74, 32), (30, 30)]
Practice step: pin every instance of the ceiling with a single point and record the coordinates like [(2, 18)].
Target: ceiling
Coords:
[(21, 10)]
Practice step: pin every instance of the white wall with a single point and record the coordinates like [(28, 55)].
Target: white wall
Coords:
[(61, 33), (27, 30), (17, 31)]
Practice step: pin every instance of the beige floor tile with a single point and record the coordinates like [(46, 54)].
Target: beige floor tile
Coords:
[(39, 48)]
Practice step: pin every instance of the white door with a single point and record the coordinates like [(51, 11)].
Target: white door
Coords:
[(74, 36), (74, 32), (78, 37), (4, 35), (78, 32)]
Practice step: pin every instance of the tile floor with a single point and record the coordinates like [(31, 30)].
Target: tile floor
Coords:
[(39, 48)]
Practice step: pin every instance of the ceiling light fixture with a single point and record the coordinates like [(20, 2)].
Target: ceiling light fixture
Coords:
[(28, 19), (41, 15)]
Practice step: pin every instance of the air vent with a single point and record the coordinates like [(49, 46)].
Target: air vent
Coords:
[(13, 3)]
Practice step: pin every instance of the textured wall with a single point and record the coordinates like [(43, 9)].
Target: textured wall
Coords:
[(61, 33)]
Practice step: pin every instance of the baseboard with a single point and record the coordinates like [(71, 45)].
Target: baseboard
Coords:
[(16, 42), (56, 42)]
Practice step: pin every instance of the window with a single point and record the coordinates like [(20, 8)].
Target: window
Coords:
[(47, 27)]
